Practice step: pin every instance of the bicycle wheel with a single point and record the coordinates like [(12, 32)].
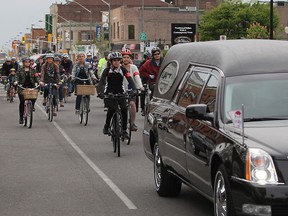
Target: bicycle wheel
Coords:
[(129, 128), (81, 110), (113, 132), (11, 94), (118, 129), (29, 116), (25, 113), (85, 110), (51, 108)]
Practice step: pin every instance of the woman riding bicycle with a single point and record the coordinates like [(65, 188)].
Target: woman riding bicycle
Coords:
[(50, 75), (82, 70), (27, 77), (112, 79)]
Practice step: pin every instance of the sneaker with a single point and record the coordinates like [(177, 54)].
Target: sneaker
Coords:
[(77, 112), (54, 113), (61, 104), (125, 135), (33, 109), (44, 102), (105, 109), (134, 127), (106, 129), (142, 112), (21, 121)]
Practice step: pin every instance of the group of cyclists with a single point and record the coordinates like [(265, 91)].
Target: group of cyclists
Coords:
[(115, 73)]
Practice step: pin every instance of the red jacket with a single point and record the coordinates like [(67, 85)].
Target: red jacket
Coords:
[(150, 68)]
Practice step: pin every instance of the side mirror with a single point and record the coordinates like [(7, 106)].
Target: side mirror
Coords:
[(196, 111)]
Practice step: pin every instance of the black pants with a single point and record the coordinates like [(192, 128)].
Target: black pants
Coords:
[(111, 105)]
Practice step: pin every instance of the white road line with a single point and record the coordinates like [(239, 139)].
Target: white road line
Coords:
[(105, 178)]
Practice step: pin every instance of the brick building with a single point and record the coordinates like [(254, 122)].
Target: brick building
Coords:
[(126, 21)]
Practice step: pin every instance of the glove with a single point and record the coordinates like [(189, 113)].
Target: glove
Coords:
[(101, 95), (15, 83), (151, 76), (134, 93)]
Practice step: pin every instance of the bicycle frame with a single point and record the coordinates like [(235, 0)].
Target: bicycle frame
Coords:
[(28, 111), (84, 105), (51, 101), (115, 127)]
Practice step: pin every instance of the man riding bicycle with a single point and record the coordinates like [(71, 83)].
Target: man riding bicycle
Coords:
[(112, 82), (49, 74)]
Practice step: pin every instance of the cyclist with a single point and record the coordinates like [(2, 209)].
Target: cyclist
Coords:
[(82, 70), (32, 63), (49, 74), (112, 79), (10, 81), (147, 56), (103, 63), (14, 63), (89, 58), (57, 61), (28, 78), (67, 65), (6, 67), (133, 70), (150, 68)]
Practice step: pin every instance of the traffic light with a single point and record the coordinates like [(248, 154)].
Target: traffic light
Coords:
[(49, 37), (59, 38), (23, 39)]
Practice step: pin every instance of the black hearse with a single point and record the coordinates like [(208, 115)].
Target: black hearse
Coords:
[(218, 122)]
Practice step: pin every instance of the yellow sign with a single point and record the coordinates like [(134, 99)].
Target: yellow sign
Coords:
[(49, 37)]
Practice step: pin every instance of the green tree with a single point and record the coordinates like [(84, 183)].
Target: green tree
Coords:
[(233, 18)]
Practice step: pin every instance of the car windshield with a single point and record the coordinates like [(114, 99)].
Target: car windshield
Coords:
[(264, 96)]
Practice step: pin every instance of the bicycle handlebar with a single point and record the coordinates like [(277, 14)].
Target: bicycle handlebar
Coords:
[(20, 86)]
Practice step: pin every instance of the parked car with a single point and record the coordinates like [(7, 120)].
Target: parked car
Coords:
[(196, 132)]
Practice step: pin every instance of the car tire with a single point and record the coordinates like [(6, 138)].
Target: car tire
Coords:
[(223, 204), (166, 184)]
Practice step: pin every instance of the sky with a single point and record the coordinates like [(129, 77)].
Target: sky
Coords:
[(18, 15)]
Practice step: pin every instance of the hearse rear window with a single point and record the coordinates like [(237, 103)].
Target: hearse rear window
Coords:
[(168, 77)]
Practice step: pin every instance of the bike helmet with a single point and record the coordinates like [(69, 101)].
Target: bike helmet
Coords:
[(57, 59), (155, 49), (8, 59), (126, 52), (13, 58), (89, 54), (25, 59), (115, 55), (147, 54), (106, 53), (50, 55), (65, 56)]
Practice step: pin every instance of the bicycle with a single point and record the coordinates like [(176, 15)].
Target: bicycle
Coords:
[(64, 80), (115, 127), (51, 104), (85, 91), (11, 93), (29, 94), (147, 94)]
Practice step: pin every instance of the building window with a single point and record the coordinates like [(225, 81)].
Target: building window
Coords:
[(131, 32), (118, 30), (114, 31), (84, 36)]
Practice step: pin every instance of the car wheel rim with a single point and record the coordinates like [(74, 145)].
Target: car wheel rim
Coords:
[(157, 168), (220, 196)]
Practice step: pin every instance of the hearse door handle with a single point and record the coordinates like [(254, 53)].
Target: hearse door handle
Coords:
[(170, 122)]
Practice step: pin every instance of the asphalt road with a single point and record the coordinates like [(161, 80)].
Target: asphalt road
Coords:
[(64, 168)]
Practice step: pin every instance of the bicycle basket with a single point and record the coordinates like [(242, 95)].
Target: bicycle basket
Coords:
[(30, 94), (85, 90)]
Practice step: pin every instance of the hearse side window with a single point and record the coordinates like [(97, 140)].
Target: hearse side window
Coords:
[(192, 89), (168, 77), (209, 94)]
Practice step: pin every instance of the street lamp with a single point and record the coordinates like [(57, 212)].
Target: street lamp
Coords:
[(69, 28), (91, 36), (109, 8)]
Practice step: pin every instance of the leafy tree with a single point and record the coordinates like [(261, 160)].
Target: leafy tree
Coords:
[(233, 18)]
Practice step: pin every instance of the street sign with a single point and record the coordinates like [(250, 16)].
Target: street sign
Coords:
[(142, 36)]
